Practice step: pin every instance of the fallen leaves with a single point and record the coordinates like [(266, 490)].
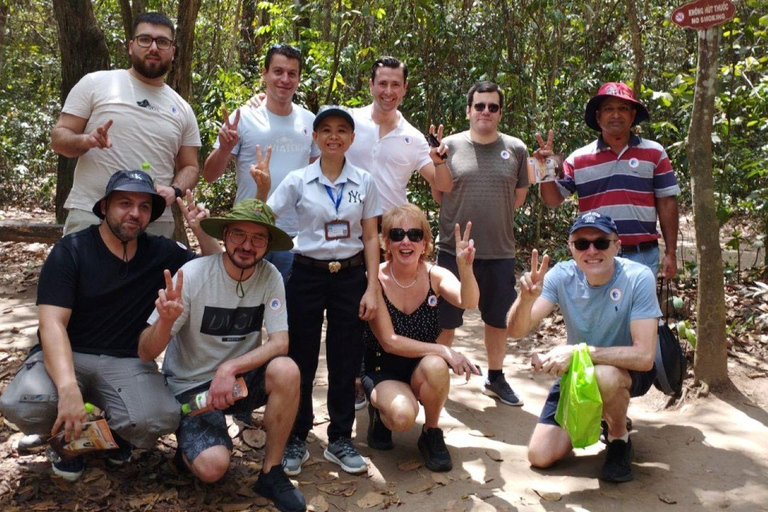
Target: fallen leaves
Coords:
[(548, 495), (255, 438), (410, 465), (342, 488)]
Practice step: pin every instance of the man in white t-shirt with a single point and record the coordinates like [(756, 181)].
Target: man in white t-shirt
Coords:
[(277, 123), (388, 146), (129, 119)]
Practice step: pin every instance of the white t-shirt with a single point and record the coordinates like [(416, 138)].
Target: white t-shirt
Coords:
[(391, 159), (217, 325), (292, 146), (150, 124), (304, 191)]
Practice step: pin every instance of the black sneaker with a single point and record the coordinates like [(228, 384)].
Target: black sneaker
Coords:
[(432, 447), (618, 461), (70, 469), (501, 389), (32, 443), (122, 454), (276, 486), (379, 436)]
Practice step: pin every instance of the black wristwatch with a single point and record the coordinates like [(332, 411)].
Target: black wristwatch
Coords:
[(177, 191)]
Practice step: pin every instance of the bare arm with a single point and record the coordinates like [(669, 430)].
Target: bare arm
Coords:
[(639, 356), (550, 194), (59, 363), (369, 303), (68, 139), (670, 223), (520, 194), (216, 164), (169, 306), (194, 213), (529, 308), (463, 292)]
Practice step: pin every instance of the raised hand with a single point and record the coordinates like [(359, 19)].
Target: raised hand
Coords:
[(260, 171), (465, 246), (438, 153), (257, 100), (99, 138), (545, 148), (169, 304), (191, 211), (228, 136), (531, 282)]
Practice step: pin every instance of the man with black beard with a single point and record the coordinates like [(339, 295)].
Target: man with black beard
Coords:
[(129, 119), (95, 290), (210, 319)]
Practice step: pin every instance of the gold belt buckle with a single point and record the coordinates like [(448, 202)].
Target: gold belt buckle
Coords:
[(334, 267)]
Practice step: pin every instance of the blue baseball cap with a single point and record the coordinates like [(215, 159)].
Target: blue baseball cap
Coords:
[(594, 220), (333, 111)]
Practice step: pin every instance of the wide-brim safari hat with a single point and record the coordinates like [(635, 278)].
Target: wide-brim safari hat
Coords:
[(133, 181), (618, 90), (256, 212)]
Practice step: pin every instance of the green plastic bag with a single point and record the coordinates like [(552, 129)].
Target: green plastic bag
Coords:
[(580, 407)]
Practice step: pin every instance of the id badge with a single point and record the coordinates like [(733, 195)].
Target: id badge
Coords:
[(337, 230)]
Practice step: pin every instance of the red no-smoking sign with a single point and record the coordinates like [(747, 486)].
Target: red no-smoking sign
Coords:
[(704, 14)]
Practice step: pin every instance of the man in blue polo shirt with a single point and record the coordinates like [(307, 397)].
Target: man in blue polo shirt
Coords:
[(610, 304)]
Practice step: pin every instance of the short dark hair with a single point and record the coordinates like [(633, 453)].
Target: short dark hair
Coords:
[(286, 50), (485, 86), (388, 62), (153, 18)]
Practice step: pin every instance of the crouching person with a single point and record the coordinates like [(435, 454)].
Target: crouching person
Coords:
[(95, 291), (610, 304), (214, 309)]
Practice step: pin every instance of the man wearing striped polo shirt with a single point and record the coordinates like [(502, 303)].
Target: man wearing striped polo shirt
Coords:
[(623, 176)]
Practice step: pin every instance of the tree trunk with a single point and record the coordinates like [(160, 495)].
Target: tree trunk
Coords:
[(4, 6), (637, 46), (710, 364), (128, 11), (83, 50), (247, 50)]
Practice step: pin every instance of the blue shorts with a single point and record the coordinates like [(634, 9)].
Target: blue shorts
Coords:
[(198, 433), (496, 280), (641, 383)]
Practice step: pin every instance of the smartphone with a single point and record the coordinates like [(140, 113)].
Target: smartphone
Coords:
[(434, 143)]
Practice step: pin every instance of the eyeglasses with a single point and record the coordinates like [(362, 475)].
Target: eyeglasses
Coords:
[(414, 234), (239, 238), (600, 244), (492, 107), (145, 41)]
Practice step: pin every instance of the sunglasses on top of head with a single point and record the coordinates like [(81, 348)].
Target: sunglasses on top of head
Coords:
[(414, 234), (492, 107), (600, 244)]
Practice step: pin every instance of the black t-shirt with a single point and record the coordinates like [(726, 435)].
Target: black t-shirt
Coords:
[(110, 299)]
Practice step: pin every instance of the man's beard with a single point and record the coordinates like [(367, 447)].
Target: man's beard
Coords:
[(240, 265), (149, 72), (120, 232)]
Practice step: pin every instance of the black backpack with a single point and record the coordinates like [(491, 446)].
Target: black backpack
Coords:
[(670, 362)]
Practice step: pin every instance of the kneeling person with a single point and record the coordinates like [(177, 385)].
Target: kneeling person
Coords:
[(607, 302), (215, 310)]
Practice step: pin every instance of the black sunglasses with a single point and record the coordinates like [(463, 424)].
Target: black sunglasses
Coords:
[(600, 244), (492, 107), (414, 234)]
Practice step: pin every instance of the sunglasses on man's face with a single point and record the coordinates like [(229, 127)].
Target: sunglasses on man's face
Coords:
[(600, 244), (492, 107), (414, 234)]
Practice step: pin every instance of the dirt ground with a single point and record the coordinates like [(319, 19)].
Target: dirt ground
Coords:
[(700, 453)]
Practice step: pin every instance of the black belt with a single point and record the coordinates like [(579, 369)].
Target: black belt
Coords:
[(332, 266), (641, 247)]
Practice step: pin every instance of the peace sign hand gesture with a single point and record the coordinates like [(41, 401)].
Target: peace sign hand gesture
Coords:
[(532, 282), (260, 173), (545, 148), (465, 246), (169, 304), (228, 136), (438, 151)]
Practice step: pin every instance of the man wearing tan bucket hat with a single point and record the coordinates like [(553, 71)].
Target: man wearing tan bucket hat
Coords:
[(622, 175), (214, 309)]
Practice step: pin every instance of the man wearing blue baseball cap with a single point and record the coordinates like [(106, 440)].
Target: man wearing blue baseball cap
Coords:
[(610, 304), (95, 291)]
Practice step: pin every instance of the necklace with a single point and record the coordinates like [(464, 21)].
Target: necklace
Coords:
[(392, 273)]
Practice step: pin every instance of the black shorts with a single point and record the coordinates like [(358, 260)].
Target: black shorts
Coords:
[(641, 383), (496, 281), (198, 433)]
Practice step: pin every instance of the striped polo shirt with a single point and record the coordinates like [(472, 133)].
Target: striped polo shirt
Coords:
[(622, 186)]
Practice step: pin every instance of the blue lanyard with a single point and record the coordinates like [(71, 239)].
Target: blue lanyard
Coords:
[(335, 200)]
